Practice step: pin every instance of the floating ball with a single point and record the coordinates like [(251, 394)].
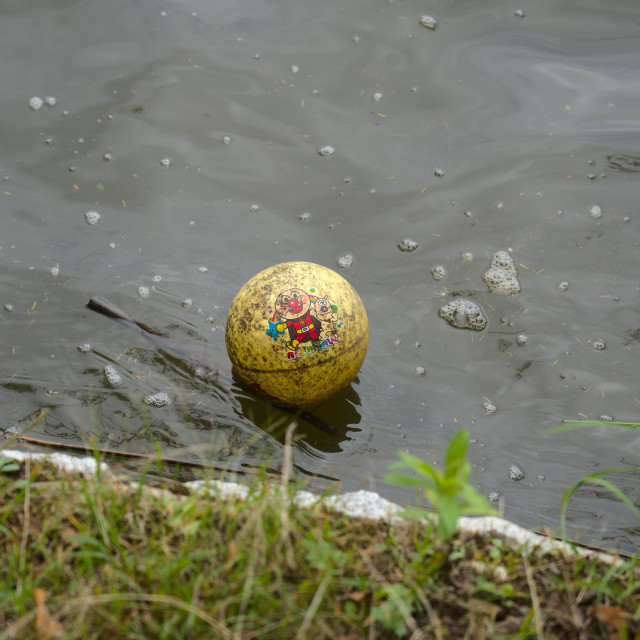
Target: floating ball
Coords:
[(298, 332)]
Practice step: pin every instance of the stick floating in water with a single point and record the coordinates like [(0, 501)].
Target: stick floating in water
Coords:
[(106, 308)]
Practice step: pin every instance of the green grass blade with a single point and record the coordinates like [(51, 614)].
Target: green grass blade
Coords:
[(595, 479), (570, 425)]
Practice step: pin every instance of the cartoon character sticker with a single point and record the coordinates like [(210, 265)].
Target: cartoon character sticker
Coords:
[(327, 313), (303, 322)]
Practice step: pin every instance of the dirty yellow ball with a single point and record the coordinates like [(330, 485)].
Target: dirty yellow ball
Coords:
[(298, 332)]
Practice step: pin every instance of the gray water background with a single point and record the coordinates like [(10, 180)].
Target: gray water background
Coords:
[(533, 119)]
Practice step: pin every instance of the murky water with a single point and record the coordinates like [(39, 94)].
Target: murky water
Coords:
[(216, 139)]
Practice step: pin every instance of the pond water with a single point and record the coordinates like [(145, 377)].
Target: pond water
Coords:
[(194, 130)]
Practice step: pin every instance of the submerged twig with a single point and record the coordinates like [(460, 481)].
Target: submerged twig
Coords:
[(112, 311), (87, 449)]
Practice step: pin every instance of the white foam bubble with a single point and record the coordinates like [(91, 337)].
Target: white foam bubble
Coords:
[(595, 211), (489, 407), (112, 376), (501, 276), (438, 272), (160, 399), (35, 103), (463, 313), (92, 217), (429, 22), (407, 244), (345, 261), (515, 473)]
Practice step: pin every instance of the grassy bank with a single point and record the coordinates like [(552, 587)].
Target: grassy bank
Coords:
[(89, 557)]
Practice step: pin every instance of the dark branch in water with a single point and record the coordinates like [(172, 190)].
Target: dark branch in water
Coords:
[(152, 458), (111, 311)]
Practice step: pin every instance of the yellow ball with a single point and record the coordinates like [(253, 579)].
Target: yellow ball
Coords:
[(298, 332)]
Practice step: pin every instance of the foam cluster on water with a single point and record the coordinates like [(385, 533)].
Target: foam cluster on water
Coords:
[(595, 211), (112, 376), (489, 407), (429, 22), (515, 473), (160, 399), (501, 278), (438, 272), (407, 244), (345, 261), (463, 313), (92, 217)]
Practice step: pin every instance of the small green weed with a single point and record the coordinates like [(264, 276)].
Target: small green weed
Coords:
[(450, 492), (394, 610)]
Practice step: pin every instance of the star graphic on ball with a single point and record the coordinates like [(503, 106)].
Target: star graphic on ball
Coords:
[(272, 330)]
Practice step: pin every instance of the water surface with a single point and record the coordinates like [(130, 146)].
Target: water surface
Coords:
[(193, 129)]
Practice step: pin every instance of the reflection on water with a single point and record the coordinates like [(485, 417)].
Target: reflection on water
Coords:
[(193, 129)]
